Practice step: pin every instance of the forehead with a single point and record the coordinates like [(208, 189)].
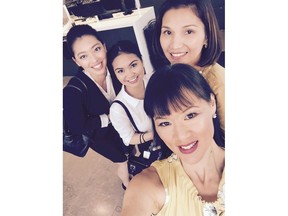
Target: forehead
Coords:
[(179, 102), (84, 42), (124, 58), (181, 17)]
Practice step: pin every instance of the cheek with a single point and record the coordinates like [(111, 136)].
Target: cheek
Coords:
[(206, 128), (141, 70), (166, 135), (82, 63), (120, 78), (197, 44), (163, 42), (103, 56), (161, 133)]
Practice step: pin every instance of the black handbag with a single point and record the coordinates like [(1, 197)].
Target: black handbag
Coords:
[(149, 150), (75, 144)]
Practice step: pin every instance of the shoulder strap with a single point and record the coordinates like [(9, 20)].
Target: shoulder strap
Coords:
[(128, 114), (79, 89), (66, 130), (72, 86), (81, 82)]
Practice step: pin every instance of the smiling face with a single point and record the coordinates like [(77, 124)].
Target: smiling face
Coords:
[(189, 131), (182, 36), (129, 69), (90, 54)]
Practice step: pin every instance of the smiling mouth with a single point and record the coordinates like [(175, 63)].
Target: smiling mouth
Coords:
[(98, 66), (178, 55), (133, 80), (188, 149)]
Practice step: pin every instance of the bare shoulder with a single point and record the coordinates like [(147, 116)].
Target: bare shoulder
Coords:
[(145, 194)]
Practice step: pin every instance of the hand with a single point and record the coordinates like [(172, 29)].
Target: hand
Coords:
[(149, 136)]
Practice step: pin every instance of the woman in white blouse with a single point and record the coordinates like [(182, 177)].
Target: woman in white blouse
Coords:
[(126, 64)]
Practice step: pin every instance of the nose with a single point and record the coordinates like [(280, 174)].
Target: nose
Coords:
[(130, 72), (176, 41), (94, 57), (181, 133)]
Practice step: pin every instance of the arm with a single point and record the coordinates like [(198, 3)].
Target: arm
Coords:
[(124, 127), (145, 194), (136, 137), (75, 114)]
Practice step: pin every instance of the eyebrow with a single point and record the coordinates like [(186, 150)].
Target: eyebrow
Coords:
[(133, 61), (192, 106), (83, 52), (186, 26), (129, 64), (183, 111)]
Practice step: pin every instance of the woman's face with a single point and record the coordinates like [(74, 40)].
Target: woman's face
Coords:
[(189, 131), (182, 36), (129, 69), (90, 54)]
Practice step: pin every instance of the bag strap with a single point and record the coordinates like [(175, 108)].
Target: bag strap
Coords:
[(138, 153), (66, 130), (72, 86), (128, 114), (79, 89), (81, 82)]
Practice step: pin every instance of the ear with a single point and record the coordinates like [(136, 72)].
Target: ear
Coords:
[(144, 67), (205, 40), (213, 104), (76, 61)]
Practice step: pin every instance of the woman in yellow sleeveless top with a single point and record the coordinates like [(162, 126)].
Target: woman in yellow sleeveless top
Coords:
[(191, 181)]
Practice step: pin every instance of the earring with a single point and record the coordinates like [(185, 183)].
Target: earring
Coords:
[(206, 45), (214, 115)]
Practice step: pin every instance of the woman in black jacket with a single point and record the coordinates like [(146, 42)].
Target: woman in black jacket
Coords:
[(86, 107)]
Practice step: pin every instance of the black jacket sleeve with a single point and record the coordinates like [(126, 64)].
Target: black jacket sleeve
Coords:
[(75, 112)]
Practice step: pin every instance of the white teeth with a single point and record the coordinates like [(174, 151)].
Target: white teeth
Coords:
[(97, 66), (177, 54), (132, 80), (189, 146)]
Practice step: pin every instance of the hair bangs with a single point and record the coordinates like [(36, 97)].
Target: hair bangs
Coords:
[(173, 96)]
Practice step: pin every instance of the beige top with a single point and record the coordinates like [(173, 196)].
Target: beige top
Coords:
[(215, 76), (181, 194)]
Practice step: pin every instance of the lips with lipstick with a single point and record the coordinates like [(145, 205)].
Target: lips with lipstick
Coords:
[(189, 148)]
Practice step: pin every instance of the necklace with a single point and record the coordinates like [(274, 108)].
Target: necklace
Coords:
[(216, 208)]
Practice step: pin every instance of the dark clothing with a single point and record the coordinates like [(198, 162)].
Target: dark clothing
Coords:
[(82, 110)]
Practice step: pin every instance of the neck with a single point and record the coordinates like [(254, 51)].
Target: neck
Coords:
[(207, 173), (137, 91), (100, 79), (212, 162)]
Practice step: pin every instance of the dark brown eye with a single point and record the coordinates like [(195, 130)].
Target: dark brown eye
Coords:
[(164, 124), (190, 116)]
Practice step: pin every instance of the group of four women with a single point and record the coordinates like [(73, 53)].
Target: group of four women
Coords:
[(181, 106)]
